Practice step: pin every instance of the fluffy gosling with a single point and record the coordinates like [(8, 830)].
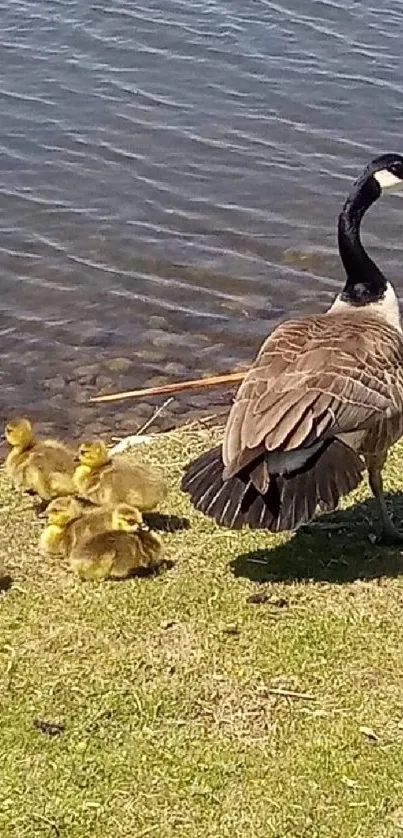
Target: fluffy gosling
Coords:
[(117, 553), (45, 467), (102, 479), (69, 524)]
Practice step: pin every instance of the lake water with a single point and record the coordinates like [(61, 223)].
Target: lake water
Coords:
[(170, 177)]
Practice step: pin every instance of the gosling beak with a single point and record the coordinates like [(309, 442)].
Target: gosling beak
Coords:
[(77, 458), (144, 527)]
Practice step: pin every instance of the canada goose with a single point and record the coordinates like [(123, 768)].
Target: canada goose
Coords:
[(103, 479), (44, 466), (69, 523), (322, 401), (117, 553)]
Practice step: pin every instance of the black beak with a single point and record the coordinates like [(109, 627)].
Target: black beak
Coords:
[(77, 458)]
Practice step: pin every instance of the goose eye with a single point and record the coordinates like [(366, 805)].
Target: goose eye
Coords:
[(397, 169)]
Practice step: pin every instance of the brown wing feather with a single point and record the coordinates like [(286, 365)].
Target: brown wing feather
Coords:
[(313, 378)]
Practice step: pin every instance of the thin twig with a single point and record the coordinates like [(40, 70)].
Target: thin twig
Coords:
[(323, 525), (140, 437), (179, 430), (193, 423), (290, 694), (152, 418), (147, 830), (123, 442), (176, 387), (48, 821)]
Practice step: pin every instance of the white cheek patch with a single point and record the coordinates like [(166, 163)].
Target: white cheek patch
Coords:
[(387, 180)]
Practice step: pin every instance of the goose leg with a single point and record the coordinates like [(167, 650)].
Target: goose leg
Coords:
[(390, 535)]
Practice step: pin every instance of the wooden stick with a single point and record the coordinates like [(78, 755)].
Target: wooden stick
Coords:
[(177, 387)]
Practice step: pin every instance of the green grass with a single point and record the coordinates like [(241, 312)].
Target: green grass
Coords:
[(163, 684)]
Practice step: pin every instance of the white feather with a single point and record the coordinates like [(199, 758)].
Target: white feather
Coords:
[(387, 307), (387, 180)]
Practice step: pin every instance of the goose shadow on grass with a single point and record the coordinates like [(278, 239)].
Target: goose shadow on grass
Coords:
[(166, 523), (337, 547), (6, 582)]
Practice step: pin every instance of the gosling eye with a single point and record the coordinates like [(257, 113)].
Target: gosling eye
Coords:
[(144, 527)]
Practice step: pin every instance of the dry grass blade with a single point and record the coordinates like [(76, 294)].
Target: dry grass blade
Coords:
[(290, 694)]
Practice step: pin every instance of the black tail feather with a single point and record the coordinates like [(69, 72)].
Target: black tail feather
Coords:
[(290, 500)]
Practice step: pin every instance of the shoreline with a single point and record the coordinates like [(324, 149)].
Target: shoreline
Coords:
[(116, 420)]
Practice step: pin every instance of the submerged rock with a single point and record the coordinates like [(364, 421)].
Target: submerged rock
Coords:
[(157, 322), (176, 369), (119, 364), (55, 383)]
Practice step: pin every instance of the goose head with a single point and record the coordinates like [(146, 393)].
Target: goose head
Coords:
[(387, 172), (366, 285)]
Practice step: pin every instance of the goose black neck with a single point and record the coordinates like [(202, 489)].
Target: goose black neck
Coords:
[(365, 282)]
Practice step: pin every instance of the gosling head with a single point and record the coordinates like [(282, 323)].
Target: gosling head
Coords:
[(19, 433), (63, 510), (93, 454), (128, 519)]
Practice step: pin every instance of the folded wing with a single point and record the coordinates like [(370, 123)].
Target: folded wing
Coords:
[(313, 379)]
